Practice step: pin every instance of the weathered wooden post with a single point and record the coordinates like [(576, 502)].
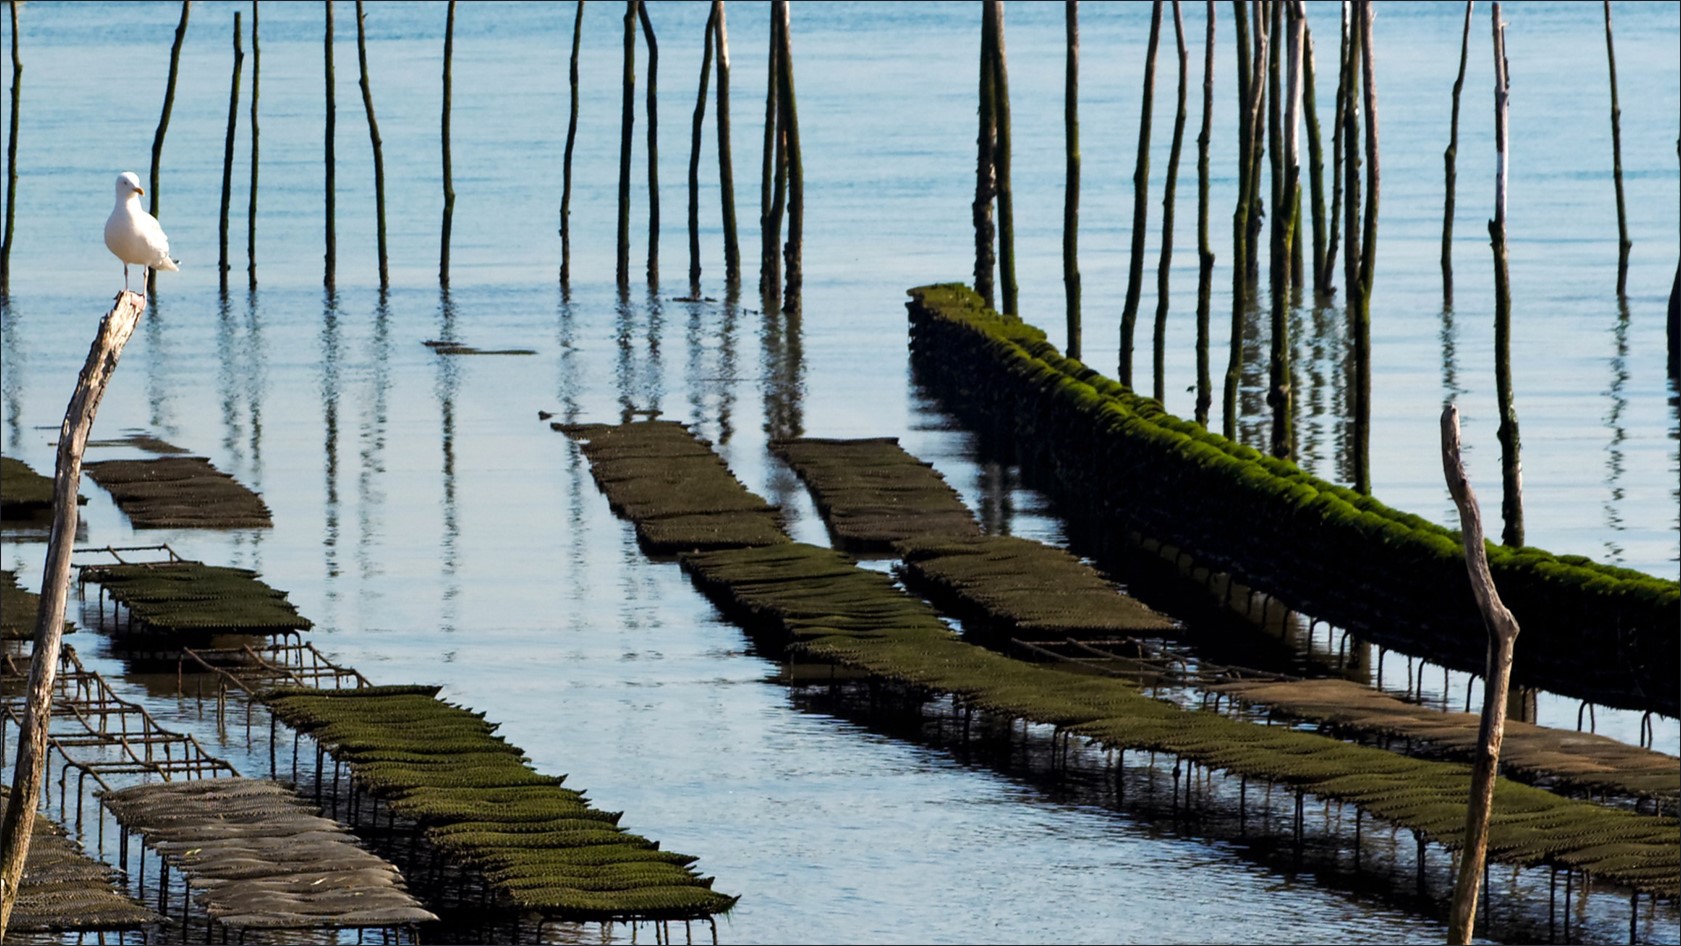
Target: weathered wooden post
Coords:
[(694, 150), (227, 151), (1140, 199), (114, 332), (1001, 161), (443, 129), (1623, 242), (1159, 348), (1071, 186), (329, 276), (627, 124), (1334, 239), (163, 123), (1448, 158), (251, 204), (726, 163), (773, 185), (1205, 248), (1502, 634), (1252, 64), (1316, 164), (1284, 235), (373, 136), (790, 118), (1511, 466), (984, 168), (571, 140), (653, 144), (11, 160)]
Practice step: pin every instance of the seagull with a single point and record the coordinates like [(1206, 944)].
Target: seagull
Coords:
[(133, 235)]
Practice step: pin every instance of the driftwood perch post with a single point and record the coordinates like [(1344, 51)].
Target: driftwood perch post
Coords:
[(114, 332), (1502, 634)]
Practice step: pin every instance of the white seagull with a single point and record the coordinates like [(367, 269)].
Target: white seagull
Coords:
[(134, 235)]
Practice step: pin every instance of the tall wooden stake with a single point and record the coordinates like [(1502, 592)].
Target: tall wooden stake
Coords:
[(373, 136), (329, 276), (251, 203), (1623, 242), (19, 820), (1511, 466), (771, 183), (163, 122), (1322, 285), (1205, 248), (571, 141), (985, 167), (726, 164), (11, 159), (1140, 199), (1252, 60), (627, 124), (694, 151), (1284, 235), (787, 109), (653, 144), (1502, 634), (443, 127), (1071, 186), (227, 151), (1001, 158), (1448, 159), (1334, 240), (1158, 361)]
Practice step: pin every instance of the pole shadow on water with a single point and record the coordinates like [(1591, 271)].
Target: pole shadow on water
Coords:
[(447, 388), (712, 376), (639, 372), (370, 490)]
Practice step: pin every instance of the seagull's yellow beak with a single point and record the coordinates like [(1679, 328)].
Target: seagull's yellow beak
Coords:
[(141, 191)]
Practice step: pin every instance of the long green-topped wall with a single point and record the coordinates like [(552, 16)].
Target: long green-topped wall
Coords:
[(1589, 631)]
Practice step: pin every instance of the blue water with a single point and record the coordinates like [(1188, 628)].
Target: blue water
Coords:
[(436, 531)]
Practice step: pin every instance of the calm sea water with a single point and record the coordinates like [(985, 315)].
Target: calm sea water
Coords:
[(436, 531)]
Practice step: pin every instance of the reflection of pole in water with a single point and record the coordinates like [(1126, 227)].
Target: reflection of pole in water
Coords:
[(329, 341), (158, 386), (571, 378), (13, 358), (714, 383), (640, 381), (449, 382), (228, 381), (1614, 450), (784, 372), (370, 502)]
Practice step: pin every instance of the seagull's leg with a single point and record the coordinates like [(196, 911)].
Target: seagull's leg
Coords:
[(125, 277)]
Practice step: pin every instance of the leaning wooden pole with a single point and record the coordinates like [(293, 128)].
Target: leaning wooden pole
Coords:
[(653, 143), (1623, 242), (1511, 466), (571, 141), (1316, 165), (373, 136), (1502, 635), (1001, 156), (11, 159), (227, 150), (19, 819), (985, 137), (163, 122), (694, 150), (1334, 239), (1449, 158), (1071, 186), (627, 125), (1361, 262), (1159, 337), (1205, 247), (443, 132), (1140, 199), (1240, 213), (329, 276), (251, 202), (726, 163), (1252, 63), (793, 252)]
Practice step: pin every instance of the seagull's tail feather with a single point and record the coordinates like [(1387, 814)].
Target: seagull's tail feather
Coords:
[(168, 264)]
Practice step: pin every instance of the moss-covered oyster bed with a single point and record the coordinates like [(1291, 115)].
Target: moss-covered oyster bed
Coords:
[(1590, 631)]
